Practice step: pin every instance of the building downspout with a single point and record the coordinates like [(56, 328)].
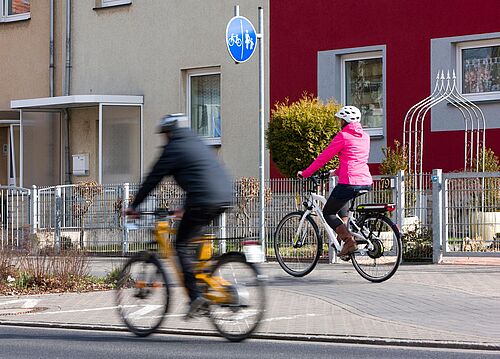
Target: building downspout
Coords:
[(51, 61), (67, 87), (67, 78)]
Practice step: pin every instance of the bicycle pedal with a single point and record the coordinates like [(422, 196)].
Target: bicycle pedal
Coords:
[(345, 258)]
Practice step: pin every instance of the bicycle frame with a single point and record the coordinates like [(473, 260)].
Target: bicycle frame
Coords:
[(162, 234), (313, 207)]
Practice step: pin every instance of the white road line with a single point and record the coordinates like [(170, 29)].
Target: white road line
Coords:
[(28, 303), (291, 317), (145, 310)]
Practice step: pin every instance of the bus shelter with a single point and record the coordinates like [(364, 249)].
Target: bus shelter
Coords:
[(69, 139)]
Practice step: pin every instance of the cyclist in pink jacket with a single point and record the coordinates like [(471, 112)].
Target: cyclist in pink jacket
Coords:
[(352, 145)]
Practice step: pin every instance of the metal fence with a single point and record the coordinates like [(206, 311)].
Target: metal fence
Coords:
[(471, 213), (14, 217), (458, 213)]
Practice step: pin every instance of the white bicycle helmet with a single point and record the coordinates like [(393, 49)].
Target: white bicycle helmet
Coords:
[(349, 114)]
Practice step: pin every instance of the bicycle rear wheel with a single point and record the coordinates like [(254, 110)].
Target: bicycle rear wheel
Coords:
[(381, 262), (297, 247), (238, 317), (142, 293)]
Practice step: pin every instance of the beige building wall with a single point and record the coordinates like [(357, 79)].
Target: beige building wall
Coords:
[(25, 58), (146, 48), (84, 138), (25, 49)]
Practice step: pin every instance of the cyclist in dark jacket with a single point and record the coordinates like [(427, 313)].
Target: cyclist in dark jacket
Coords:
[(206, 183)]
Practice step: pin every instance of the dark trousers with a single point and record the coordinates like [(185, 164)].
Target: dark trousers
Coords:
[(191, 226), (337, 205)]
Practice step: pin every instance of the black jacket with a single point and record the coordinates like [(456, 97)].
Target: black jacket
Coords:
[(194, 167)]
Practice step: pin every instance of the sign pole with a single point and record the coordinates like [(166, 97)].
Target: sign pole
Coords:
[(260, 37), (241, 41)]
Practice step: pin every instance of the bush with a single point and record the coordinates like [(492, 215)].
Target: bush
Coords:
[(298, 132), (395, 159), (491, 161)]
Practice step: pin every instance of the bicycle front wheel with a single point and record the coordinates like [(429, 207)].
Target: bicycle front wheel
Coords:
[(379, 261), (142, 293), (239, 314), (297, 244)]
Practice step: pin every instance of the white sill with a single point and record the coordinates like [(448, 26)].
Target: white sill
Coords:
[(375, 132), (212, 141), (99, 4), (483, 97), (18, 17)]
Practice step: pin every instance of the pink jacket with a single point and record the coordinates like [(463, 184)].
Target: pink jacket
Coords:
[(352, 144)]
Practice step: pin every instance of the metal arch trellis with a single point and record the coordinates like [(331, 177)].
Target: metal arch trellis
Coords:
[(445, 89)]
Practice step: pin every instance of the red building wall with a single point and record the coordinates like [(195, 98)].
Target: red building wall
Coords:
[(299, 29)]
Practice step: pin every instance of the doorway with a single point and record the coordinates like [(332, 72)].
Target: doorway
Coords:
[(9, 140)]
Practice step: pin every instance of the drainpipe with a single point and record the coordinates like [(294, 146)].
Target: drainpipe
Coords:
[(51, 62), (67, 84), (67, 87)]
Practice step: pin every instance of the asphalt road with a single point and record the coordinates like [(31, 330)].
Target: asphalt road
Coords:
[(41, 343)]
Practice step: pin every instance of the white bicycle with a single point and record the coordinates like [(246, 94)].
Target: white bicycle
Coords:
[(298, 243)]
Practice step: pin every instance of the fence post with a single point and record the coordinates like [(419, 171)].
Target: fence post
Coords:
[(126, 194), (400, 198), (222, 232), (332, 253), (437, 216), (58, 218), (34, 210)]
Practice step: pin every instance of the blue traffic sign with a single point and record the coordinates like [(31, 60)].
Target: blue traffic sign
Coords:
[(241, 39)]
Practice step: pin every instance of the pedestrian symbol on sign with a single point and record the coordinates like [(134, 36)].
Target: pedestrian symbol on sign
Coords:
[(240, 38)]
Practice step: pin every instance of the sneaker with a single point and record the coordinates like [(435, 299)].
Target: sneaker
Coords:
[(198, 308)]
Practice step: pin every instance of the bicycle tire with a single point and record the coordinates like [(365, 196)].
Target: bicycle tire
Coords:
[(297, 261), (239, 318), (386, 256), (142, 293)]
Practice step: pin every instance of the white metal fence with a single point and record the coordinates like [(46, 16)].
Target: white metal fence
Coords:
[(454, 214)]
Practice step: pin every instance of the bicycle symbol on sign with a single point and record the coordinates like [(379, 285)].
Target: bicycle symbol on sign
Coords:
[(234, 39)]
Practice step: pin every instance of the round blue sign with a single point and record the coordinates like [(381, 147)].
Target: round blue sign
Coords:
[(241, 39)]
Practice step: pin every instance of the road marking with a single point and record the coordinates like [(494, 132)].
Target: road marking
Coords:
[(145, 310), (291, 317), (28, 303)]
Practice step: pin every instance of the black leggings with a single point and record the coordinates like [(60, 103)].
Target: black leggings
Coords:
[(191, 226), (337, 205)]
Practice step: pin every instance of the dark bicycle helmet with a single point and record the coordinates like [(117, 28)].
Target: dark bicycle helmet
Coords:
[(171, 122)]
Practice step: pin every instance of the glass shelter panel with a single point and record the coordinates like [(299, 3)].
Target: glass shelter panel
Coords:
[(41, 148), (121, 144)]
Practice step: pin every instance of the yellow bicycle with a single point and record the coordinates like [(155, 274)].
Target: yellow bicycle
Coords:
[(231, 282)]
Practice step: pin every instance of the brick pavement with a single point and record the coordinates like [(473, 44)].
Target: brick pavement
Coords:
[(438, 305)]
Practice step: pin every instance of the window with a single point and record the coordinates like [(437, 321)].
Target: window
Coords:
[(362, 86), (479, 69), (203, 89), (14, 10), (108, 3)]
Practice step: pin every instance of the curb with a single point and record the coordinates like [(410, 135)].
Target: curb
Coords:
[(338, 339)]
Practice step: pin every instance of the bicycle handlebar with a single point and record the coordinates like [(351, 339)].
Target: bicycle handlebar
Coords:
[(318, 177), (159, 212)]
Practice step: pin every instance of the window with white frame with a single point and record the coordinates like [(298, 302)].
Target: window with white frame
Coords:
[(363, 86), (14, 10), (479, 69), (110, 3), (203, 97)]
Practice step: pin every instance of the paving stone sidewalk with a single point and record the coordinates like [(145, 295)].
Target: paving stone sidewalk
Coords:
[(439, 305)]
